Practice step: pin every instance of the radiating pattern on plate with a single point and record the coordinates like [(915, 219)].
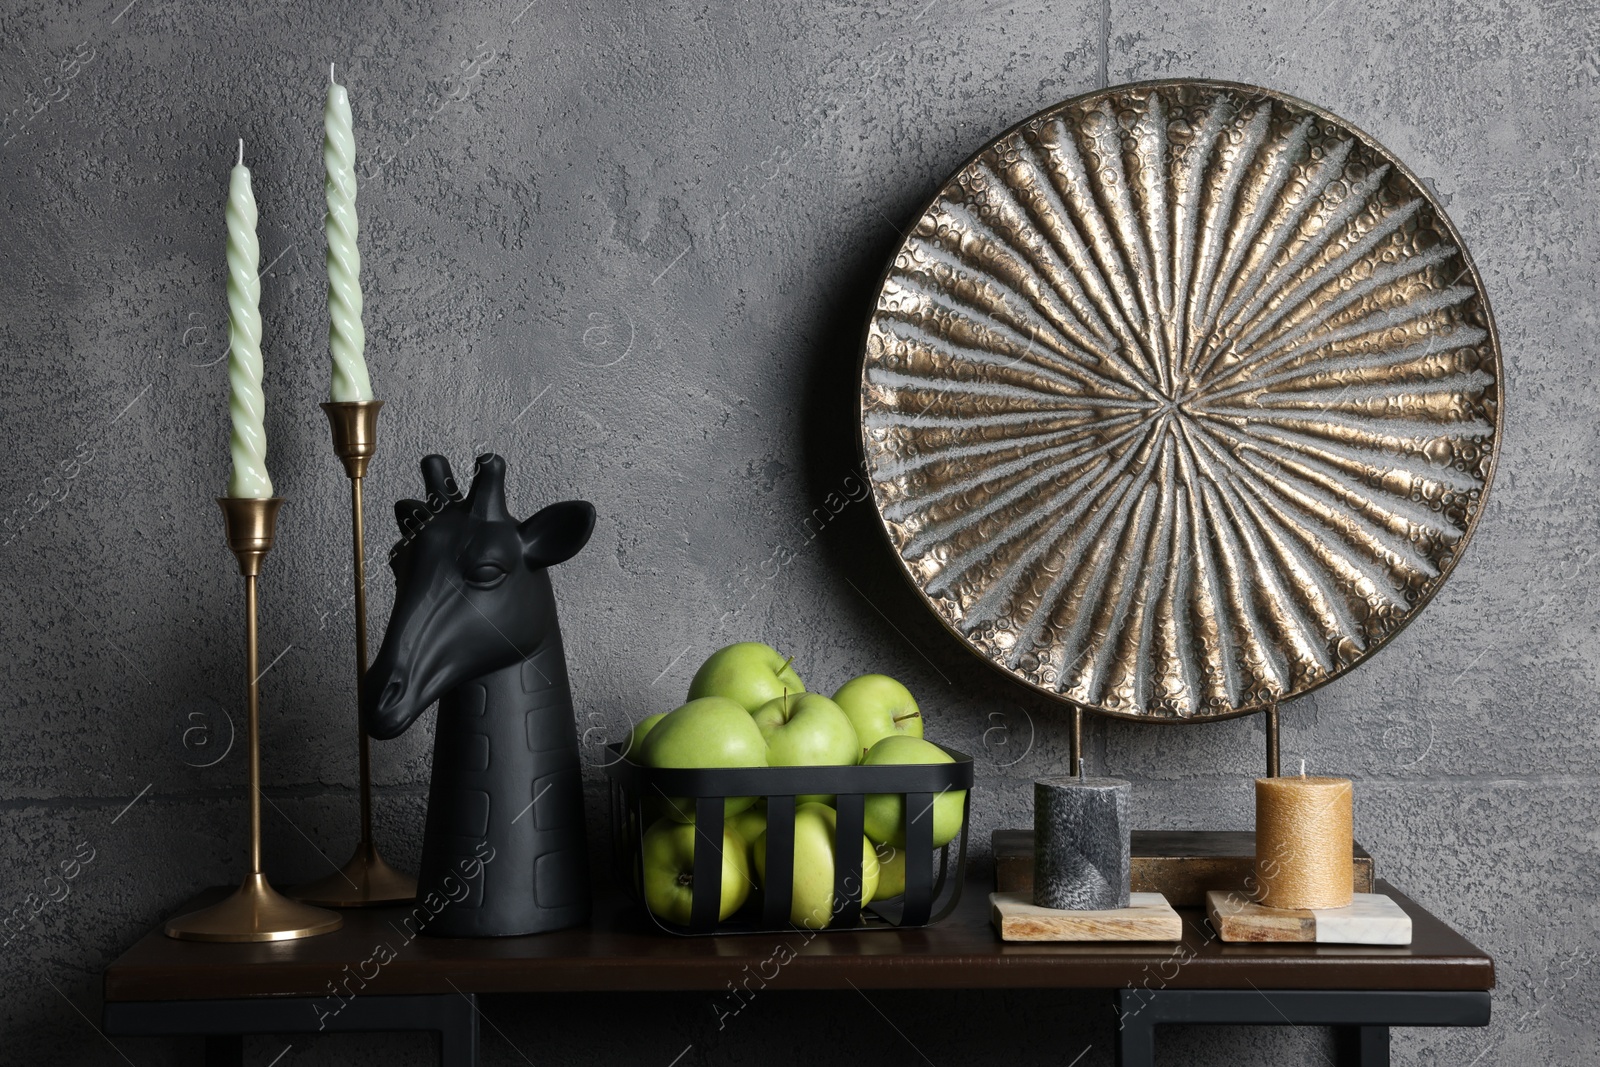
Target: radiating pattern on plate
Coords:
[(1180, 399)]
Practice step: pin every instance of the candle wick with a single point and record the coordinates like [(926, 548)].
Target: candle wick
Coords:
[(330, 73), (241, 151), (1080, 768), (1302, 768)]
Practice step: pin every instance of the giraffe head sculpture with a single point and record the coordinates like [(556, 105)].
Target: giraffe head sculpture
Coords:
[(472, 594)]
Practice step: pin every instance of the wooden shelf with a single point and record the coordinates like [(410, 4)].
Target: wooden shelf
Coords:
[(620, 950)]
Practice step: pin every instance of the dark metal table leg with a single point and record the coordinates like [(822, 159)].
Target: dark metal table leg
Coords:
[(224, 1050), (454, 1017), (1136, 1027), (1136, 1040), (458, 1036), (1361, 1019), (1362, 1046)]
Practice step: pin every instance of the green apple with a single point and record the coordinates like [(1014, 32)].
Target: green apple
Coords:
[(640, 731), (879, 706), (807, 730), (669, 871), (891, 872), (885, 814), (710, 732), (750, 673), (750, 824), (812, 902)]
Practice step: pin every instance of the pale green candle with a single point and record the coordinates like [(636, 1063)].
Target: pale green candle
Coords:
[(346, 339), (246, 402)]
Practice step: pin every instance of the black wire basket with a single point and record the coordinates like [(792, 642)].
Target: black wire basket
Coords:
[(930, 894)]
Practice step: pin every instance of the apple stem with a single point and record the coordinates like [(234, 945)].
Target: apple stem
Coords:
[(785, 664), (903, 718)]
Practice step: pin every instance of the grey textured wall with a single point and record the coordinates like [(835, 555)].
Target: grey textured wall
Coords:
[(630, 247)]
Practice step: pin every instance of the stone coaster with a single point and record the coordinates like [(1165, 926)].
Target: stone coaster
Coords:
[(1148, 917), (1371, 919)]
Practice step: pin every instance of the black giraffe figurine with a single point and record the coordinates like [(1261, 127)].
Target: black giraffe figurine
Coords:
[(474, 627)]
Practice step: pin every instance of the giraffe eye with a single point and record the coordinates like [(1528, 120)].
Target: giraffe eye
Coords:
[(486, 575)]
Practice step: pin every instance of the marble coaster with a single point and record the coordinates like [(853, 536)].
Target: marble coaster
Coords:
[(1148, 917), (1371, 919)]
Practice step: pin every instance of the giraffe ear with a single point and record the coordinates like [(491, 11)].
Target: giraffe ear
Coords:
[(411, 515), (557, 533)]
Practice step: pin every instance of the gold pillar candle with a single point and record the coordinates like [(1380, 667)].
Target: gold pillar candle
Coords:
[(1304, 842)]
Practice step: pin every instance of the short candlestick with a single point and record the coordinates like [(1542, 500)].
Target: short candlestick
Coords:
[(255, 911)]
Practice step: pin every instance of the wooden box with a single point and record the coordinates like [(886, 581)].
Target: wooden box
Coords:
[(1181, 865)]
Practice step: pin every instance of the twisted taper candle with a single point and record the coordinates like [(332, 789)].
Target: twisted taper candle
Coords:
[(346, 338), (246, 401)]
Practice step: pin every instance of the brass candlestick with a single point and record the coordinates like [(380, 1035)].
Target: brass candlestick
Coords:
[(256, 911), (365, 878)]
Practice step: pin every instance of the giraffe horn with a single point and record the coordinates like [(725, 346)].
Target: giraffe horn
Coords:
[(487, 500), (438, 480)]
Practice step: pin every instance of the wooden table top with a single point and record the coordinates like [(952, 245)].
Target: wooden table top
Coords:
[(619, 950)]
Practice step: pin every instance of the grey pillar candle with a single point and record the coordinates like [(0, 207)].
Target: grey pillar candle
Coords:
[(1080, 843)]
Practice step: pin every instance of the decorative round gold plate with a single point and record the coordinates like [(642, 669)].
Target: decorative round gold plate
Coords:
[(1180, 399)]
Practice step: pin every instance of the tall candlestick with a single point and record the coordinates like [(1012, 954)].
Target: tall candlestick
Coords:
[(1304, 842), (347, 340), (246, 402), (365, 878)]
